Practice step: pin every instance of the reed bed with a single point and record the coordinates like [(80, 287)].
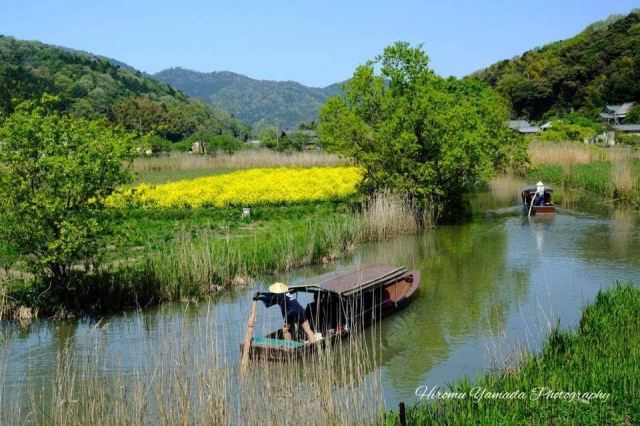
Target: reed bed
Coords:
[(194, 379), (199, 262), (625, 181), (568, 153), (388, 214), (245, 159), (199, 259), (610, 172)]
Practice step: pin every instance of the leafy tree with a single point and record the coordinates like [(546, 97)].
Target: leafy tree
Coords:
[(269, 136), (159, 144), (415, 132), (214, 142), (634, 115), (56, 172)]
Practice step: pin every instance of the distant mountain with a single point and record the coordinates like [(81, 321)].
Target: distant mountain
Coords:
[(94, 86), (598, 66), (285, 104)]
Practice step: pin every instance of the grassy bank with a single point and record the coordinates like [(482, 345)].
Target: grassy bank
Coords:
[(603, 354), (182, 254), (612, 173)]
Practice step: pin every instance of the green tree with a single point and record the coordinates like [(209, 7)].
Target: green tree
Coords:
[(633, 116), (415, 132), (269, 137), (56, 172)]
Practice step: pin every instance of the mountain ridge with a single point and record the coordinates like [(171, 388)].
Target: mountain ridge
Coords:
[(285, 104), (599, 65), (95, 86)]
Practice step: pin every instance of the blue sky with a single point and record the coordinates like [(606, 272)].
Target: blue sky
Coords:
[(314, 42)]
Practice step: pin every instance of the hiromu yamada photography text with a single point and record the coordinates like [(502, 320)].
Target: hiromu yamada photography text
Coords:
[(479, 393)]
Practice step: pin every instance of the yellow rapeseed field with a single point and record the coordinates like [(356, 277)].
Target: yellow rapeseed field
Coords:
[(249, 188)]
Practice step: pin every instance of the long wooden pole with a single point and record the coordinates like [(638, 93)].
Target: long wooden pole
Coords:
[(247, 338), (531, 206)]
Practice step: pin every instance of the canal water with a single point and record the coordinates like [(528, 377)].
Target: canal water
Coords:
[(490, 289)]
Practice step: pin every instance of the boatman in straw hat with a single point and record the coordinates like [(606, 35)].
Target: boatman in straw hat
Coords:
[(539, 196), (292, 311)]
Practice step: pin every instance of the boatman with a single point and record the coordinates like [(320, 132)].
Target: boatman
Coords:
[(292, 311), (539, 196)]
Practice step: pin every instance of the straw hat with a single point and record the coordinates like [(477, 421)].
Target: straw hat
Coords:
[(278, 288)]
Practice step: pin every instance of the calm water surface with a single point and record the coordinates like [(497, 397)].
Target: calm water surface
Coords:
[(489, 288)]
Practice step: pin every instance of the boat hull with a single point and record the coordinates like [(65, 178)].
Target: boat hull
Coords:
[(273, 348), (540, 210)]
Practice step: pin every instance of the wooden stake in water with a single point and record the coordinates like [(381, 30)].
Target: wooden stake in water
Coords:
[(247, 337)]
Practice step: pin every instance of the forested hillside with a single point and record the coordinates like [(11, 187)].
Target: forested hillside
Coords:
[(285, 104), (91, 86), (599, 66)]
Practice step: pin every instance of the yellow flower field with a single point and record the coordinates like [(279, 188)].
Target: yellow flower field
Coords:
[(250, 187)]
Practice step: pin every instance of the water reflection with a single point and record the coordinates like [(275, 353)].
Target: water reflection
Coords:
[(488, 287)]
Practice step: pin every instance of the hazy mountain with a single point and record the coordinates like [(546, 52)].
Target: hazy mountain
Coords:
[(598, 66), (94, 86), (259, 102)]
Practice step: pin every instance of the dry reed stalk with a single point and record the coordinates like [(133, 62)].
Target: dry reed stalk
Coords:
[(192, 379), (566, 153), (388, 214), (624, 181), (245, 159), (622, 154)]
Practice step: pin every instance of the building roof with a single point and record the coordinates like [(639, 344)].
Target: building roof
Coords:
[(534, 188), (518, 124), (624, 108), (632, 128), (529, 130), (613, 111), (311, 133)]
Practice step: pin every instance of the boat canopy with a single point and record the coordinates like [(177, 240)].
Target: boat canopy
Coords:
[(530, 189), (353, 282)]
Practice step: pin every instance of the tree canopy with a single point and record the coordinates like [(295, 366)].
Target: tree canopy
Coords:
[(56, 172), (415, 132), (599, 66)]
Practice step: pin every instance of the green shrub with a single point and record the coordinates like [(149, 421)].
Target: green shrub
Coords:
[(565, 131)]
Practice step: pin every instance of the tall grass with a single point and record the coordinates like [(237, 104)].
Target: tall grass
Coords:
[(194, 380), (624, 181), (610, 172), (244, 159), (572, 153), (566, 153), (387, 214), (200, 259), (602, 355), (199, 262)]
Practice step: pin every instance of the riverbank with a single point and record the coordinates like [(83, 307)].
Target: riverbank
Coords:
[(184, 254), (612, 173), (600, 358)]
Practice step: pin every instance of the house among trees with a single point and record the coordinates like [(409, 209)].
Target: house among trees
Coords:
[(615, 113)]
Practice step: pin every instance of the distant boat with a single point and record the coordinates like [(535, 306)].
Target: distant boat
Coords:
[(528, 195), (340, 305)]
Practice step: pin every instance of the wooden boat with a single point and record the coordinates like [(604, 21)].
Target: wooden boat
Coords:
[(547, 206), (340, 305)]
